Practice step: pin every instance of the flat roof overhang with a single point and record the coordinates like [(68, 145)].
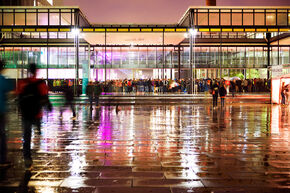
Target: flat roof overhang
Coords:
[(157, 34)]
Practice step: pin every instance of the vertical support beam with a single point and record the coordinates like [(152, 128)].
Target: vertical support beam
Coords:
[(268, 36), (86, 71), (220, 55), (163, 57), (190, 65), (105, 57), (179, 63), (22, 64), (47, 57), (77, 63), (171, 64), (76, 39), (278, 49)]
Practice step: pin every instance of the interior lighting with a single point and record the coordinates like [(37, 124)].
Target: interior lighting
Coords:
[(186, 35), (75, 31), (193, 32)]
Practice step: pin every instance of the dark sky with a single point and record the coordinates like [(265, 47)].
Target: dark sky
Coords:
[(151, 11)]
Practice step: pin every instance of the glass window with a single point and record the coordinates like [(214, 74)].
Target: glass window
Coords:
[(152, 57), (43, 35), (270, 19), (214, 19), (26, 51), (282, 19), (63, 58), (53, 56), (108, 55), (202, 19), (42, 18), (65, 18), (125, 57), (43, 56), (143, 57), (248, 19), (160, 57), (225, 19), (19, 18), (236, 18), (133, 56), (8, 18), (31, 18), (62, 34), (71, 56), (259, 19), (185, 57), (35, 55), (284, 55), (100, 57), (116, 56), (53, 18), (83, 55), (53, 35)]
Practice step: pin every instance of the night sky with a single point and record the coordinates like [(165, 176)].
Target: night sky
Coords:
[(151, 11)]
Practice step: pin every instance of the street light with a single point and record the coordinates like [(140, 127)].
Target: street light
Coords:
[(76, 32), (191, 35)]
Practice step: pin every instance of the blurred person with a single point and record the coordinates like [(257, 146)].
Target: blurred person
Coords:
[(69, 99), (97, 92), (5, 87), (223, 93), (90, 93), (215, 92), (283, 88), (33, 96), (233, 88)]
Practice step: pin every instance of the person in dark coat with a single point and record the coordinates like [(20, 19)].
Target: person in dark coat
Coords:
[(98, 92), (215, 93), (69, 100), (90, 93), (223, 93)]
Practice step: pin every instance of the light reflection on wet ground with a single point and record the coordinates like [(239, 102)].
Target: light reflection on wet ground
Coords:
[(190, 148)]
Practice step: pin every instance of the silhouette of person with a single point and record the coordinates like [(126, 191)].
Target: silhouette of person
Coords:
[(5, 87), (33, 96)]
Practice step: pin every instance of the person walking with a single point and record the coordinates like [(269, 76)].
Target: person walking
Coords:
[(283, 96), (215, 93), (98, 92), (223, 93), (5, 87), (33, 96), (90, 93), (69, 100)]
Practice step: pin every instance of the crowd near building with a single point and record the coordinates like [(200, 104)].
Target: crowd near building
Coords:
[(208, 43)]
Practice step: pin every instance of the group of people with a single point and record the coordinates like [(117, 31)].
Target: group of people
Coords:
[(183, 85), (218, 89)]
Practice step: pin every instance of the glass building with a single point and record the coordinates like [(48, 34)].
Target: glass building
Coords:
[(229, 41)]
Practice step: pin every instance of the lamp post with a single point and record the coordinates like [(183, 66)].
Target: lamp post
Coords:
[(191, 35)]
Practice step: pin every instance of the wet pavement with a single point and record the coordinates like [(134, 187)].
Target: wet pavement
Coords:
[(154, 148)]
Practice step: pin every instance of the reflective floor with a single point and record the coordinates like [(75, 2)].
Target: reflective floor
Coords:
[(164, 149)]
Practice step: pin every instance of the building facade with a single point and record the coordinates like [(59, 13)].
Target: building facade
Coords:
[(228, 41)]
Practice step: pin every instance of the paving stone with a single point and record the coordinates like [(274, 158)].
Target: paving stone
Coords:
[(166, 183), (132, 190)]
